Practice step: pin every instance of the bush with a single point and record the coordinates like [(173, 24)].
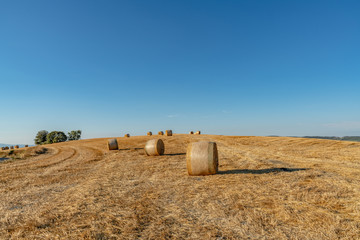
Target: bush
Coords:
[(56, 137), (41, 137), (74, 135)]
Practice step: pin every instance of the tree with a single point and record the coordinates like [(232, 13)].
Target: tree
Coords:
[(74, 135), (41, 137), (55, 137)]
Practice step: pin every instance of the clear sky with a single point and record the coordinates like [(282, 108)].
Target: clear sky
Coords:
[(224, 67)]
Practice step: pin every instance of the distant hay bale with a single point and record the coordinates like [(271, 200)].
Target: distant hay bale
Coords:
[(16, 146), (112, 144), (155, 147), (26, 145), (191, 132), (127, 135), (202, 158), (6, 148), (11, 147), (198, 133), (161, 133), (149, 133), (3, 148), (168, 133)]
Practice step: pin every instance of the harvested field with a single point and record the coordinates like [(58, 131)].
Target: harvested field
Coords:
[(266, 188)]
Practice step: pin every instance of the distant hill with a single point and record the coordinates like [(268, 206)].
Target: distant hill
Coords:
[(8, 145), (346, 138)]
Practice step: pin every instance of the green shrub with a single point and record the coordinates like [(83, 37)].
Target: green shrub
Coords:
[(74, 135), (56, 137), (41, 137)]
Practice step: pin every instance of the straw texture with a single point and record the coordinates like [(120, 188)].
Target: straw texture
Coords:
[(202, 158)]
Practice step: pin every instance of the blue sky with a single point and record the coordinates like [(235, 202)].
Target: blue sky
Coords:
[(223, 67)]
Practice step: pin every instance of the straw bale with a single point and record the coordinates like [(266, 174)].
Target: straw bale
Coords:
[(198, 133), (149, 133), (16, 146), (161, 133), (127, 135), (113, 144), (26, 145), (202, 158), (191, 132), (168, 133), (11, 147), (154, 147)]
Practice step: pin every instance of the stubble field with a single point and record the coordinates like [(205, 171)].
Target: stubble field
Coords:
[(266, 188)]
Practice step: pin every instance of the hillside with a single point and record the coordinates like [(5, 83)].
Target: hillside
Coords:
[(267, 187)]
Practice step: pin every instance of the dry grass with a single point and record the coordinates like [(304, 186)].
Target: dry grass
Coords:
[(267, 188)]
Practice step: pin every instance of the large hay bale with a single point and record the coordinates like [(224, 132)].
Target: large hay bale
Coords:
[(161, 133), (113, 144), (191, 132), (155, 147), (16, 146), (149, 133), (127, 135), (11, 147), (202, 158), (168, 133), (198, 133)]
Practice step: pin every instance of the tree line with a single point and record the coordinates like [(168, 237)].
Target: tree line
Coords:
[(44, 137)]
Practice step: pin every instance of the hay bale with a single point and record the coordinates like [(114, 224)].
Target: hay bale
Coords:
[(168, 133), (202, 158), (154, 147), (161, 133), (26, 145), (112, 144), (127, 135), (16, 146), (191, 132), (149, 133), (198, 133), (6, 148), (3, 148), (11, 147)]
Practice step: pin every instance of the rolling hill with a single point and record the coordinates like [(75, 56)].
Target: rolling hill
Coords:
[(266, 188)]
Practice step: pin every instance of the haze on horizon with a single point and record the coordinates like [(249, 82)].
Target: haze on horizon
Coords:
[(288, 68)]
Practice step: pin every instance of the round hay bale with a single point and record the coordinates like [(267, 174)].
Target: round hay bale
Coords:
[(168, 133), (127, 135), (161, 133), (6, 148), (3, 148), (154, 147), (149, 133), (198, 133), (112, 144), (12, 147), (16, 146), (202, 158), (26, 145), (191, 132)]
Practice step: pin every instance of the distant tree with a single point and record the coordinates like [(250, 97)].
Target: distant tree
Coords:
[(74, 135), (55, 137), (41, 137)]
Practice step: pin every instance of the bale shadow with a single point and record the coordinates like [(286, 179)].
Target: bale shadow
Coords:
[(128, 149), (174, 154), (262, 171)]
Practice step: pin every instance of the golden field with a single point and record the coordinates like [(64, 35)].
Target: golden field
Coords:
[(266, 188)]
